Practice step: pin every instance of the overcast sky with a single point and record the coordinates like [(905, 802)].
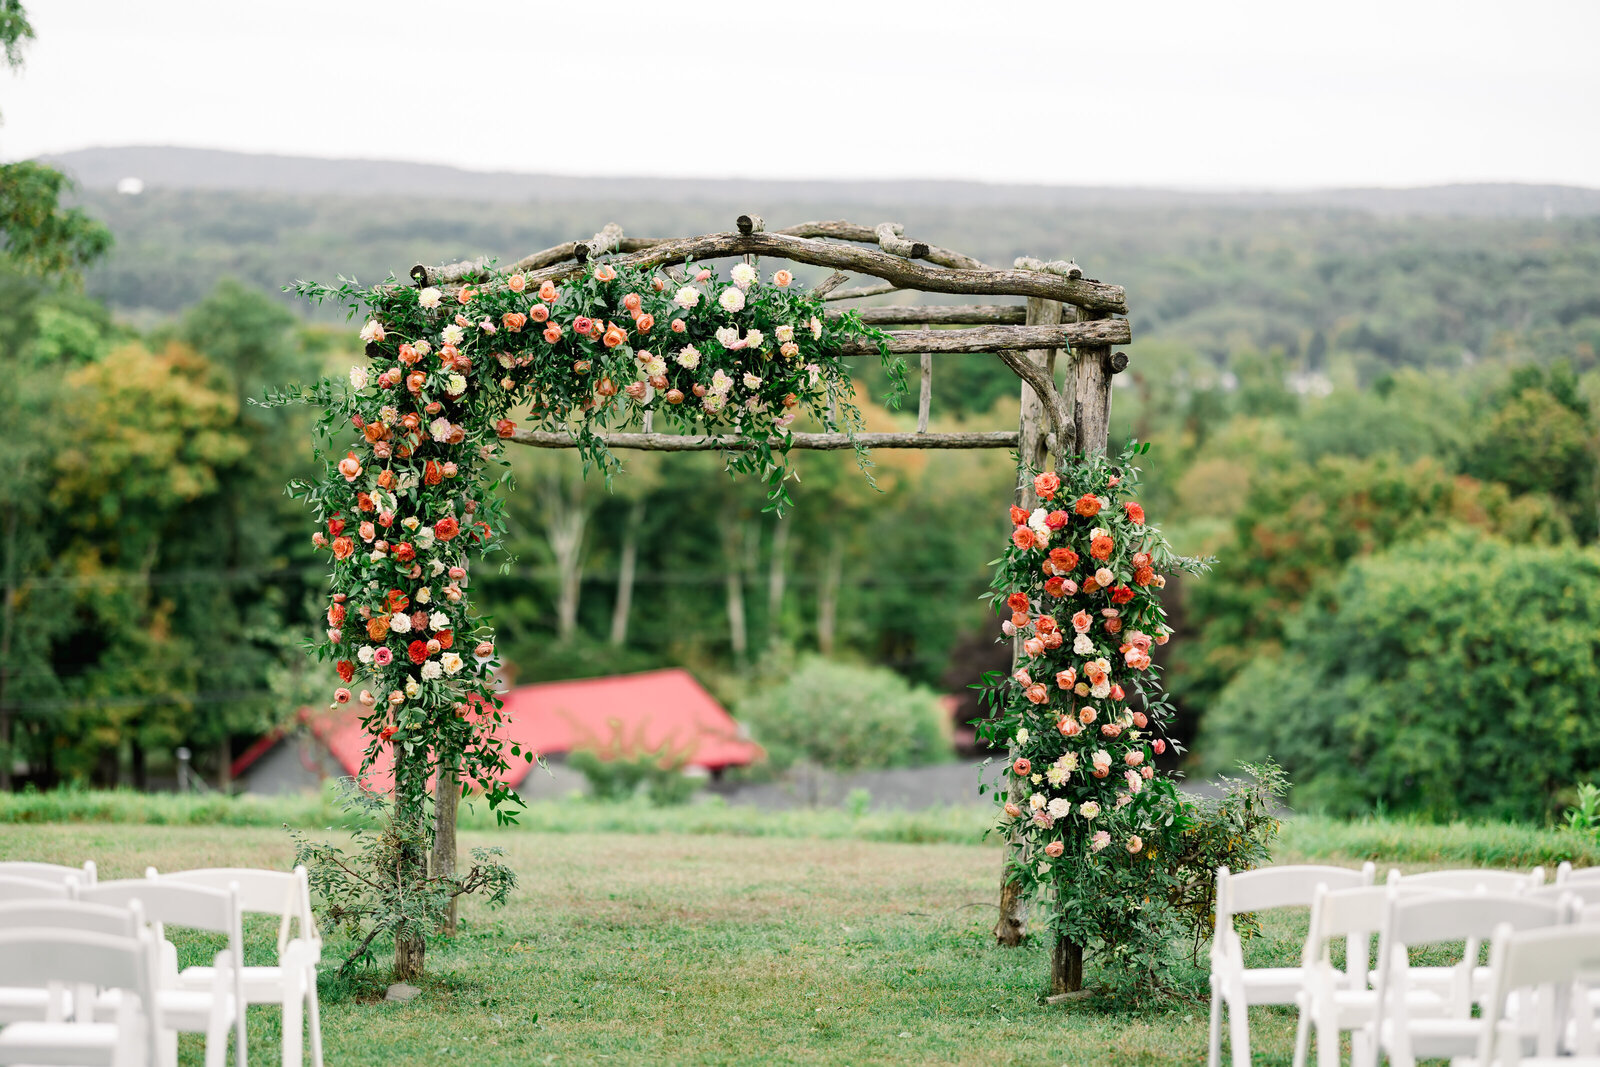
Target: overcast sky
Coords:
[(1273, 94)]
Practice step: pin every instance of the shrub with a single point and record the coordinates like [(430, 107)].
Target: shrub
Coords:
[(618, 767), (1457, 675), (847, 717)]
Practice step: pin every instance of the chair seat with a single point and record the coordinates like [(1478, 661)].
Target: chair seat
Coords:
[(1439, 1038), (262, 985), (188, 1010), (47, 1044), (18, 1003)]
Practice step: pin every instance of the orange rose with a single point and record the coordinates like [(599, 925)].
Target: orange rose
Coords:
[(1102, 546), (552, 333), (614, 337), (446, 528), (1065, 559), (631, 302), (1134, 512), (645, 322), (1017, 601), (350, 467), (343, 547), (505, 428), (432, 473), (408, 355), (1088, 505), (1022, 537), (386, 478), (378, 627), (547, 292), (514, 321), (464, 294), (415, 381), (1046, 485)]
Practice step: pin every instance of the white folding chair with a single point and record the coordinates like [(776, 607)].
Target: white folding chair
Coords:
[(1334, 1001), (1538, 976), (208, 1010), (1566, 874), (48, 872), (53, 1004), (292, 983), (1484, 880), (77, 958), (1472, 918), (18, 888), (1235, 986)]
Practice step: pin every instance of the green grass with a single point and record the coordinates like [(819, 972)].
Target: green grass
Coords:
[(719, 935)]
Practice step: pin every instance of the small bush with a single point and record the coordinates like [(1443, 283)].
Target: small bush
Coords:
[(1454, 676), (617, 767), (847, 717)]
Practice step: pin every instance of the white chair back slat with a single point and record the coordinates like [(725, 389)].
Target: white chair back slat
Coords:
[(18, 888), (80, 958), (1467, 917), (1267, 888), (48, 872), (70, 915), (285, 894), (169, 903), (1486, 880), (1581, 875), (1556, 966)]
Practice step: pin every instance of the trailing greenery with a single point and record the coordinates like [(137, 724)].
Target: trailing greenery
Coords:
[(1452, 676), (846, 717)]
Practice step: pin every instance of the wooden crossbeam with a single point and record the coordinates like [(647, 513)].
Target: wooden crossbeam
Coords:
[(820, 442), (942, 315), (1097, 332)]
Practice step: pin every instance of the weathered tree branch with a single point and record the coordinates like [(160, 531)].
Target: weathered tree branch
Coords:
[(1044, 387), (829, 284), (891, 241), (942, 314), (1064, 267), (822, 442), (849, 231), (998, 338), (864, 290)]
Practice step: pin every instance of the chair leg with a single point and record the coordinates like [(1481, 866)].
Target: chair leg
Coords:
[(293, 1031), (1214, 1047), (1302, 1030), (1327, 1044), (313, 1019), (1239, 1032)]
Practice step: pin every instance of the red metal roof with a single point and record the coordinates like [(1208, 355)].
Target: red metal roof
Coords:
[(642, 712)]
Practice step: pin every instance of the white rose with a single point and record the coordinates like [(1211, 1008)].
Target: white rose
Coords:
[(358, 378), (1082, 644), (455, 385), (439, 621), (425, 540), (431, 671), (1023, 735), (744, 276), (728, 337), (411, 522), (439, 429), (751, 381), (429, 297), (732, 300), (1059, 808), (424, 595), (1036, 801), (785, 333), (372, 331), (364, 654), (687, 297), (1101, 691), (435, 566), (413, 687), (451, 663), (400, 622), (754, 338), (689, 357)]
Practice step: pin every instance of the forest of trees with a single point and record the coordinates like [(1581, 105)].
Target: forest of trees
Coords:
[(1318, 387)]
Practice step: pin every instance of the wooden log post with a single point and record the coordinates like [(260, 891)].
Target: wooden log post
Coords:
[(1092, 370), (1012, 925), (446, 799)]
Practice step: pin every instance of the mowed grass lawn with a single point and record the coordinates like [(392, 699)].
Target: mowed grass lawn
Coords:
[(699, 949)]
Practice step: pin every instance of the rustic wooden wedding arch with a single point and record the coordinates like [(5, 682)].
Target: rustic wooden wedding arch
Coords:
[(1062, 310)]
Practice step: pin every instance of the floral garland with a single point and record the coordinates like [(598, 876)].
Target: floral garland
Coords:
[(403, 506), (1078, 587)]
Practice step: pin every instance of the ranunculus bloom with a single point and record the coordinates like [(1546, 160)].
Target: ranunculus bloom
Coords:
[(1134, 757), (1017, 601), (465, 294), (1012, 810), (1022, 767), (382, 657), (1054, 849), (1159, 745), (1087, 715), (1046, 485), (1134, 512), (1088, 505), (782, 278), (341, 695), (1121, 594), (346, 669), (1102, 546)]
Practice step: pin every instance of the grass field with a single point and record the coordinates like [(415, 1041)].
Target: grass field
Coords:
[(721, 936)]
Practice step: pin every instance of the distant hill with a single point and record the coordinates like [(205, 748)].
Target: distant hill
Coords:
[(209, 169)]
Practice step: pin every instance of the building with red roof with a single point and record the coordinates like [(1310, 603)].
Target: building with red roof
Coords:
[(630, 714)]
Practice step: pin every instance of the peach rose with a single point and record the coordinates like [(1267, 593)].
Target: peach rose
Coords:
[(605, 273), (1069, 727), (350, 467), (1046, 485), (1081, 622), (517, 282), (1054, 849), (552, 333), (548, 292), (1022, 768), (1066, 679), (782, 278), (1037, 694)]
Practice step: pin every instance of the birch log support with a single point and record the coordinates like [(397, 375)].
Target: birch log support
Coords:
[(809, 442), (942, 315), (1012, 926), (1064, 267), (925, 394), (903, 273), (446, 799), (1092, 392), (749, 224)]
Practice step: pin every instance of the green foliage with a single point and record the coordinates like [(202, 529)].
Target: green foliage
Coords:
[(40, 237), (377, 890), (1302, 524), (15, 30), (1584, 815), (1455, 675), (846, 717), (619, 766)]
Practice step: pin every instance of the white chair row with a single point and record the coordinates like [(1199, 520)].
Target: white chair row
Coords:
[(1342, 998), (41, 901)]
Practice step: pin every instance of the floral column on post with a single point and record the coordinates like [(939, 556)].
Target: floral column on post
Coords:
[(1079, 585)]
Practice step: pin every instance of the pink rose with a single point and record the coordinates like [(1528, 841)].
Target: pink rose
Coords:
[(382, 656), (1054, 849), (1100, 840), (1082, 621)]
